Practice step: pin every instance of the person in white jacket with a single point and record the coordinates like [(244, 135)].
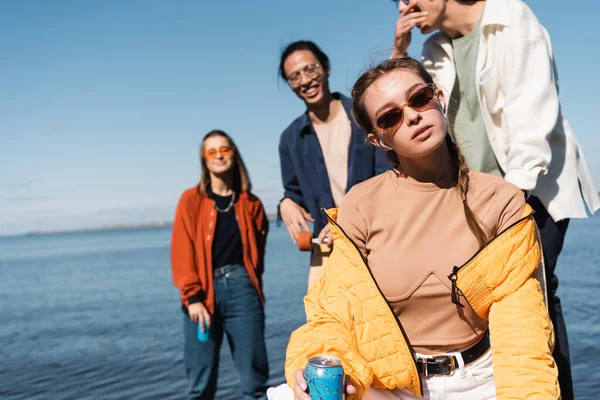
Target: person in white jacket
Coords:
[(494, 60)]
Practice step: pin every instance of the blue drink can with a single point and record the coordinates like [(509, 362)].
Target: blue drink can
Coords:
[(203, 336), (324, 377)]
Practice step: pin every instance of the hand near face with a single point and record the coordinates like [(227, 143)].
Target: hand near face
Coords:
[(410, 17)]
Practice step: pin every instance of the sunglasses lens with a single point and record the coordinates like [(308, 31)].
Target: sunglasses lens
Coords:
[(389, 119), (421, 97), (226, 151), (212, 153), (223, 151)]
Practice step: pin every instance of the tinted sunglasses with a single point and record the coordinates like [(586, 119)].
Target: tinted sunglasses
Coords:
[(225, 151), (420, 100)]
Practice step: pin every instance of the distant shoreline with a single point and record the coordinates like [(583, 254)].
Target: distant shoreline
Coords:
[(111, 228), (124, 227)]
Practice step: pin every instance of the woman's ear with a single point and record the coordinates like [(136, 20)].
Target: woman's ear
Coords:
[(377, 142), (442, 100)]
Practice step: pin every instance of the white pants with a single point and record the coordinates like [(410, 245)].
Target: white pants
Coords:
[(473, 382)]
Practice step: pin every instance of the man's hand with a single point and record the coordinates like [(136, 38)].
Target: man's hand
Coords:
[(326, 234), (407, 21), (294, 217)]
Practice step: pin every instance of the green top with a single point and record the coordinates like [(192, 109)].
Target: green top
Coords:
[(464, 112)]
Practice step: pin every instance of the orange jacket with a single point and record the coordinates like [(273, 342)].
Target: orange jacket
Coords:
[(347, 317), (192, 238)]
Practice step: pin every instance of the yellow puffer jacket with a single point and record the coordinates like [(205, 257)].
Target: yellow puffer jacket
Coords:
[(348, 317)]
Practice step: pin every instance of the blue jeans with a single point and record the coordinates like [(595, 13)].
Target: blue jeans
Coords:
[(238, 314)]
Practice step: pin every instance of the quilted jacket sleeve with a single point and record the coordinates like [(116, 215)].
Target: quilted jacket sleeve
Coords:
[(521, 333), (522, 342), (329, 330)]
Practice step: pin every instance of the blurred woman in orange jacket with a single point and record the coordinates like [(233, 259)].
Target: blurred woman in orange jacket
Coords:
[(217, 260)]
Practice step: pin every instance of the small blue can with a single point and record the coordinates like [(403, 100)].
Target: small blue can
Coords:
[(324, 376), (203, 336)]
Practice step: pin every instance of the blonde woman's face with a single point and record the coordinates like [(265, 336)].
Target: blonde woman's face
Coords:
[(218, 154)]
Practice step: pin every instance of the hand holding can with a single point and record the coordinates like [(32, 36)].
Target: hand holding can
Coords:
[(200, 315), (203, 331), (305, 389)]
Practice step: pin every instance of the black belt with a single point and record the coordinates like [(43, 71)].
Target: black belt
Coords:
[(445, 365), (225, 269)]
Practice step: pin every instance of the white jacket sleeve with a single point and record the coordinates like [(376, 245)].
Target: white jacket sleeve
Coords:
[(531, 109)]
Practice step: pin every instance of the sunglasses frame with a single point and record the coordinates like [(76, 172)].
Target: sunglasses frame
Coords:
[(221, 150), (427, 106)]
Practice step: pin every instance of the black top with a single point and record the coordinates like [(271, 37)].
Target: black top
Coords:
[(227, 242)]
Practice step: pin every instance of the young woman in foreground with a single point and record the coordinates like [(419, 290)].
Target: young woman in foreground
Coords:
[(431, 289)]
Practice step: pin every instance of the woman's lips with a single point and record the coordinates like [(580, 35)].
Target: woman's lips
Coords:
[(422, 134)]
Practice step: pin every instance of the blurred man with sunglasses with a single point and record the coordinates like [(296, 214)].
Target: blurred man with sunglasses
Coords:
[(322, 154), (495, 62)]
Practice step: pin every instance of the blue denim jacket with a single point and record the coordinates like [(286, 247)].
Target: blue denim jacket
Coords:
[(303, 170)]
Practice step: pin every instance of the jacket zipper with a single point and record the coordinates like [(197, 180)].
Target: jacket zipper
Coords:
[(454, 275), (386, 302)]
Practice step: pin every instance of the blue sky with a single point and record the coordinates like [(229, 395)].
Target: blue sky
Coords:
[(103, 104)]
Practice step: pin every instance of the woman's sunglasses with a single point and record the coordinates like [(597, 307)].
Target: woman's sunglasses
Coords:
[(420, 100), (225, 151)]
